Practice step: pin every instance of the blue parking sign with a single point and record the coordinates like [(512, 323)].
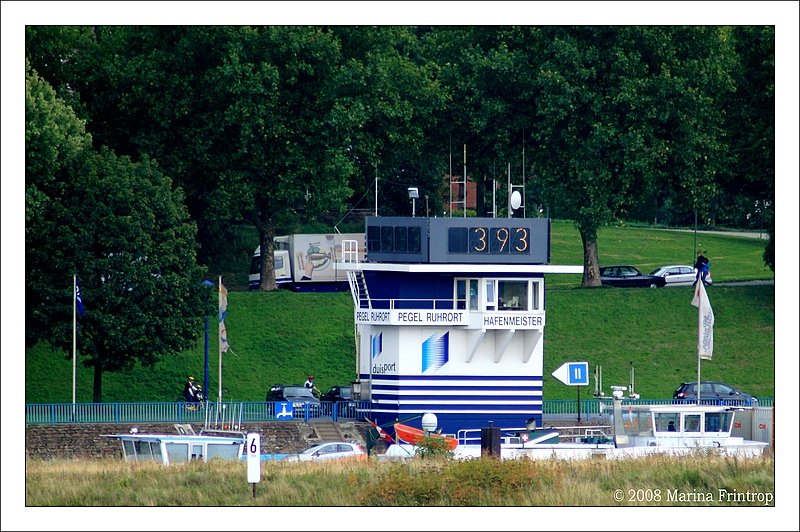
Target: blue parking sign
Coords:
[(579, 373), (573, 373)]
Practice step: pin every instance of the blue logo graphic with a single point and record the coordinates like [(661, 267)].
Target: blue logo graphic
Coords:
[(377, 345), (435, 352)]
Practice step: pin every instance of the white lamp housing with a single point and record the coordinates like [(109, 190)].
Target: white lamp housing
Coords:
[(429, 422)]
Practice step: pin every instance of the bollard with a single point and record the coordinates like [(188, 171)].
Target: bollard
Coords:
[(490, 441)]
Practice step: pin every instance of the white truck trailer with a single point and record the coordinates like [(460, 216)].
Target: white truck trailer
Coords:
[(308, 262)]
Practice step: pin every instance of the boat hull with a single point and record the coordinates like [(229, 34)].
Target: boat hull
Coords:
[(414, 436)]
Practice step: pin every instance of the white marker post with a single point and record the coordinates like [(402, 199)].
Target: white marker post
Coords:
[(253, 459)]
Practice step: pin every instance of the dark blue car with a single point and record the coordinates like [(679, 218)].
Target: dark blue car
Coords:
[(713, 392)]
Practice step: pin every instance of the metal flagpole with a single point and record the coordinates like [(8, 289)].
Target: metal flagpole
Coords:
[(74, 339), (219, 288), (698, 377), (699, 330)]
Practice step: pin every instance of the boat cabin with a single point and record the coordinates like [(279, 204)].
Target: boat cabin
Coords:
[(178, 448), (677, 425)]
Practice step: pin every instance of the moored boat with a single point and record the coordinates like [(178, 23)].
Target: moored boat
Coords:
[(415, 436), (642, 430), (180, 447)]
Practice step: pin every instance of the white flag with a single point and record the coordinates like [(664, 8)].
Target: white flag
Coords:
[(705, 322), (223, 313)]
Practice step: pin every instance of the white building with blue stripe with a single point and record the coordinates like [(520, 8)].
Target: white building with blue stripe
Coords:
[(450, 316)]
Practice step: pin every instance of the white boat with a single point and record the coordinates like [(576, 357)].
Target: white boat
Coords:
[(184, 446), (639, 431)]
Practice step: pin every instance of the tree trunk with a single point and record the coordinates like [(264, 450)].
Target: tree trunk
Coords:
[(480, 202), (591, 268), (97, 384), (266, 242)]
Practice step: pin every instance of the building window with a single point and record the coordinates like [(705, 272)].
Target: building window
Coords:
[(491, 299), (473, 294), (513, 295), (536, 295), (461, 294)]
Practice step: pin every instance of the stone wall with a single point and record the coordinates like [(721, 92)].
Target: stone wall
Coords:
[(86, 440)]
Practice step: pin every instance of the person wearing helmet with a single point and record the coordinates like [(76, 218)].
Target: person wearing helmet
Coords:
[(190, 391)]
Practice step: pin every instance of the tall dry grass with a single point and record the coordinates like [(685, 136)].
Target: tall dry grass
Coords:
[(416, 482)]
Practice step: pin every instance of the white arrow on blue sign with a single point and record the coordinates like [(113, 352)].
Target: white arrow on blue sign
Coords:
[(573, 373)]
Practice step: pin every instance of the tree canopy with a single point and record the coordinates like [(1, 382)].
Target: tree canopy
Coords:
[(281, 126), (122, 228)]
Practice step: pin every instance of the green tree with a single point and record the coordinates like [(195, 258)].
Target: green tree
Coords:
[(270, 125), (747, 197), (118, 225), (621, 112), (388, 94), (484, 71)]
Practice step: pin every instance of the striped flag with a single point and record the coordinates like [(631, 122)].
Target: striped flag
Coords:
[(223, 313), (705, 333)]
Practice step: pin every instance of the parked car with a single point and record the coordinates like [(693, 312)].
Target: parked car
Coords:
[(295, 394), (678, 275), (714, 391), (342, 397), (323, 452), (628, 276), (338, 393)]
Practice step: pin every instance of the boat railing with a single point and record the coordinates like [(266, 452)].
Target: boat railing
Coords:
[(578, 433), (473, 436)]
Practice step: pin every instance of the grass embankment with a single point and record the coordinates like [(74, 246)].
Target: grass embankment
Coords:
[(652, 481), (280, 337)]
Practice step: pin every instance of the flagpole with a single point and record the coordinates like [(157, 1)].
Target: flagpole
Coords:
[(698, 378), (699, 333), (219, 288), (705, 328), (74, 339)]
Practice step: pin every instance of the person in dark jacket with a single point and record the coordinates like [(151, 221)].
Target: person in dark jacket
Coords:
[(702, 265), (190, 391)]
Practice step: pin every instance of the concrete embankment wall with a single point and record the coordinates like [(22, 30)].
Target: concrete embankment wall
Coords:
[(82, 441)]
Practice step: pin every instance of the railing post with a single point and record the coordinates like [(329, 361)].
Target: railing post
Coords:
[(334, 411)]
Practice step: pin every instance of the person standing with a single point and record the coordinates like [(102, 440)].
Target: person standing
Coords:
[(702, 266), (309, 384)]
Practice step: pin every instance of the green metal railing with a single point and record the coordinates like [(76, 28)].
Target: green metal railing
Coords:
[(249, 412), (180, 412)]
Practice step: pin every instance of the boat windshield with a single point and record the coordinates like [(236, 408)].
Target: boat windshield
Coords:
[(718, 421), (693, 421), (227, 451), (667, 421), (141, 451)]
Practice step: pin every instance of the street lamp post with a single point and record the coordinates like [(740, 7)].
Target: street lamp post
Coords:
[(205, 364), (413, 194)]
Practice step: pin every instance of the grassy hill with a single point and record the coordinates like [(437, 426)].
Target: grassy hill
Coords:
[(283, 336)]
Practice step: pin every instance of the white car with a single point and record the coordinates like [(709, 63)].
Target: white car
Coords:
[(678, 275), (324, 452)]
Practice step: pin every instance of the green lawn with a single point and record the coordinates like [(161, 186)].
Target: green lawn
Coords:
[(283, 336)]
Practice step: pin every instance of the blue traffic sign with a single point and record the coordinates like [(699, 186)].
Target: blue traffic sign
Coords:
[(573, 373)]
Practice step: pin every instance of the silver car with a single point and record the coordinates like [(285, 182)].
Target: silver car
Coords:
[(678, 275), (328, 451)]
